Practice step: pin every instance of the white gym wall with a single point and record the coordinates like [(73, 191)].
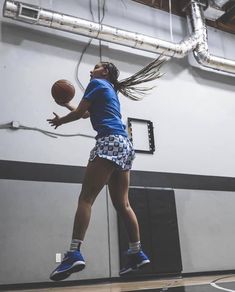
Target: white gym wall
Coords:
[(193, 116)]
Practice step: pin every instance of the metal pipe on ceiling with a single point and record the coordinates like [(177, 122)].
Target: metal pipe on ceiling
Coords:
[(201, 53), (43, 17), (196, 41)]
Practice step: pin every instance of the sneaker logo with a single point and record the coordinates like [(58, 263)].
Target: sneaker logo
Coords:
[(65, 259)]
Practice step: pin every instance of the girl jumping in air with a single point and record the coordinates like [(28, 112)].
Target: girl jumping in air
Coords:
[(110, 160)]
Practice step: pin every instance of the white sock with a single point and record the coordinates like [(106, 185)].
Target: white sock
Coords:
[(134, 247), (75, 244)]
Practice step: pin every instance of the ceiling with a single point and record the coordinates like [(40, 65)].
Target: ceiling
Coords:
[(226, 22)]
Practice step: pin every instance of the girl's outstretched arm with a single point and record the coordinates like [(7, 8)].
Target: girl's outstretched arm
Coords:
[(75, 114), (72, 107)]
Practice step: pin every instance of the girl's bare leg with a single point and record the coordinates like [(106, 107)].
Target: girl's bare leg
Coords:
[(97, 175), (118, 188)]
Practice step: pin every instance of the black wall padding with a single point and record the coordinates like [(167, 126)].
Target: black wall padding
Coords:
[(156, 213), (33, 171)]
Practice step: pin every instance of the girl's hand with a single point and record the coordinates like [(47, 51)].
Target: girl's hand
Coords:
[(55, 122)]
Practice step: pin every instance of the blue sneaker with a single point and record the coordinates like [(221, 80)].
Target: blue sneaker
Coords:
[(72, 262), (135, 262)]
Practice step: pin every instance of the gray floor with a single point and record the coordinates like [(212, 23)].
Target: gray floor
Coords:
[(194, 284)]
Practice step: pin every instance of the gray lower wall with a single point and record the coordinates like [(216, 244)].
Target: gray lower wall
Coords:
[(36, 223), (36, 218), (206, 224)]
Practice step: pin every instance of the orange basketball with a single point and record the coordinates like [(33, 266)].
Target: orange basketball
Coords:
[(62, 91)]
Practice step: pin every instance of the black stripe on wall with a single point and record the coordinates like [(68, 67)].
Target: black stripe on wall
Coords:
[(182, 181), (17, 170)]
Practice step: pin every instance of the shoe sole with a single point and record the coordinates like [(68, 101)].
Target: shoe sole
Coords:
[(59, 276), (138, 267), (142, 264)]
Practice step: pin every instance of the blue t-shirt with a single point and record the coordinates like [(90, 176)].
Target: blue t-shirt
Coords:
[(104, 111)]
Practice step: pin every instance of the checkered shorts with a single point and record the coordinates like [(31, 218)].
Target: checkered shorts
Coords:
[(116, 148)]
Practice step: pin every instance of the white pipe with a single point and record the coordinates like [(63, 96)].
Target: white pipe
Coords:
[(197, 41), (39, 16), (201, 53)]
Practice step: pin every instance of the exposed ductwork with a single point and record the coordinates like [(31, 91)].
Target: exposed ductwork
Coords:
[(36, 15), (215, 9), (201, 53), (197, 41)]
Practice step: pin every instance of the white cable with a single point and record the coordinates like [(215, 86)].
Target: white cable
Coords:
[(100, 20), (171, 27), (83, 51), (16, 126)]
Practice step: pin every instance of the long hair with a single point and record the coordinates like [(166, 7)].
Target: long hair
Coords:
[(129, 86)]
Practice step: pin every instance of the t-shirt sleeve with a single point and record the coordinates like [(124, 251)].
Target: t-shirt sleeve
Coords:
[(92, 90)]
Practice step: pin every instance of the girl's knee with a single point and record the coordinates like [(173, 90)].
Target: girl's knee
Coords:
[(86, 199), (121, 206)]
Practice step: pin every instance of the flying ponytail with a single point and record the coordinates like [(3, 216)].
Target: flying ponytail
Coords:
[(129, 86)]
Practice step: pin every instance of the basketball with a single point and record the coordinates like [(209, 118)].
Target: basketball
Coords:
[(62, 91)]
